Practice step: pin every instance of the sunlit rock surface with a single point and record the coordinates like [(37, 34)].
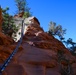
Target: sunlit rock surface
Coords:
[(38, 54), (18, 21)]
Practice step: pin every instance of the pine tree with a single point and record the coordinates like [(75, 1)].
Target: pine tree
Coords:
[(56, 30), (22, 6), (8, 26)]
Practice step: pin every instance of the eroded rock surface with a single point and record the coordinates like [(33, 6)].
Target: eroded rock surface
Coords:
[(39, 55)]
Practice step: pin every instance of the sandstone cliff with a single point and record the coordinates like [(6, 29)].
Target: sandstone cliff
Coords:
[(40, 54)]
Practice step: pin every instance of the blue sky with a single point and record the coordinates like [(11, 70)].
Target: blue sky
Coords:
[(60, 11)]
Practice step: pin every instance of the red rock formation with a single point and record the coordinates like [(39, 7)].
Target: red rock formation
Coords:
[(7, 45), (40, 55), (5, 41), (19, 15)]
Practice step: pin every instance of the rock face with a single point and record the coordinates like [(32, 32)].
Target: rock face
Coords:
[(5, 43), (27, 22), (41, 54)]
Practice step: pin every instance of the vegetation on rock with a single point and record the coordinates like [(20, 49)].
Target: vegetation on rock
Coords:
[(22, 6), (8, 26), (56, 30)]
